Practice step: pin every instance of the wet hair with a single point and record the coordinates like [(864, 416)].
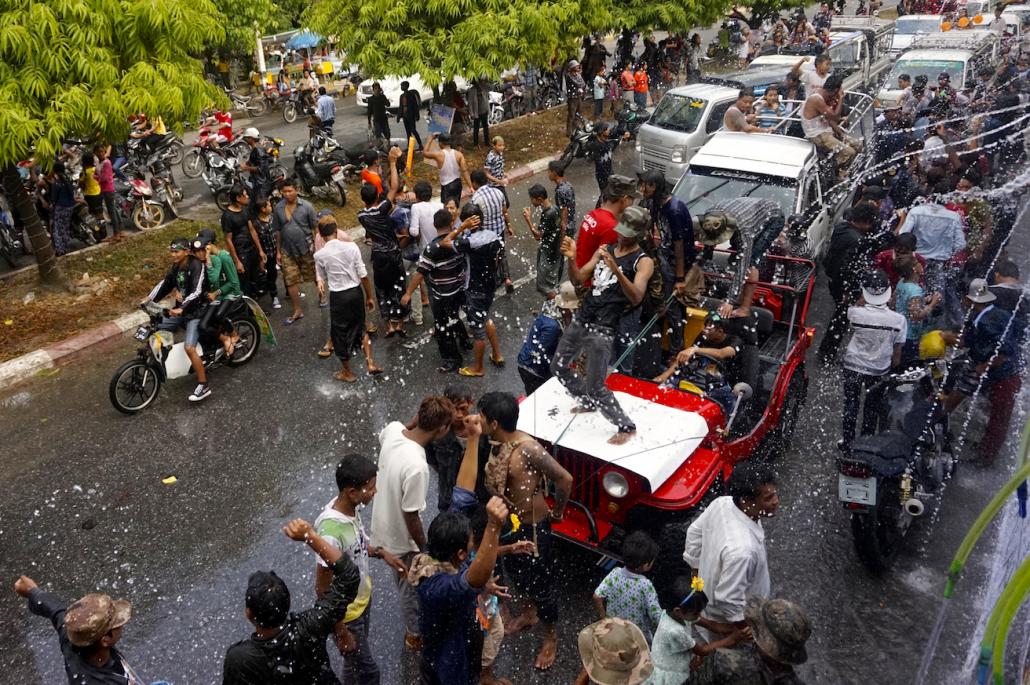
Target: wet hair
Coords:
[(469, 210), (834, 82), (973, 176), (556, 167), (537, 192), (236, 192), (327, 226), (369, 193), (435, 412), (904, 265), (678, 593), (423, 191), (746, 480), (478, 178), (906, 241), (456, 392), (638, 550), (905, 77), (745, 93), (442, 219), (268, 599), (822, 59), (500, 407), (1007, 269), (864, 213), (354, 470), (448, 535)]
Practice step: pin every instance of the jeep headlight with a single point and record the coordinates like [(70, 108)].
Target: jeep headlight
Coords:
[(615, 484), (637, 146), (679, 153)]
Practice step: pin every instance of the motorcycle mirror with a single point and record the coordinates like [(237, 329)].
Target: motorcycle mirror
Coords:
[(743, 391)]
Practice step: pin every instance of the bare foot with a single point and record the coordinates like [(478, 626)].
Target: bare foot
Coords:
[(547, 654), (621, 438), (582, 410), (374, 369), (526, 619), (345, 377)]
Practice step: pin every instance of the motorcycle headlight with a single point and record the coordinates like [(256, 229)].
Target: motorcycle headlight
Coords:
[(678, 154), (615, 484)]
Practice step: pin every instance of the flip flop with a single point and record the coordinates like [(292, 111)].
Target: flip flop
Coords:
[(290, 320), (467, 372), (325, 353), (499, 363)]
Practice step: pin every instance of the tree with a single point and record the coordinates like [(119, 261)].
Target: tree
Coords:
[(670, 15), (80, 67), (244, 19), (441, 39)]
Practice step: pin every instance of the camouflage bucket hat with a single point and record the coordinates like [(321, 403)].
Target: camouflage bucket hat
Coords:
[(717, 228), (614, 652), (780, 629)]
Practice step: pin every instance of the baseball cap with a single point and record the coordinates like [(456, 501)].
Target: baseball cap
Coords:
[(876, 288), (94, 616), (979, 292), (621, 186), (207, 235), (573, 63), (251, 132), (179, 244), (633, 222), (567, 297)]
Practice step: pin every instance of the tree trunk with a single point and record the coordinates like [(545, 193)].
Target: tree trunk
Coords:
[(23, 207)]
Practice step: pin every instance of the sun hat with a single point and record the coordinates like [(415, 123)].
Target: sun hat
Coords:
[(614, 652), (94, 616), (979, 292), (780, 629), (717, 227)]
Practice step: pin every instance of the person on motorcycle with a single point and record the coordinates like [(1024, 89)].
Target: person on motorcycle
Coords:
[(223, 285), (258, 164), (187, 277), (715, 342), (221, 125)]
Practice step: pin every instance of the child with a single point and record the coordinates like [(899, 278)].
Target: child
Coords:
[(494, 166), (549, 234), (674, 649), (910, 302), (600, 86), (340, 525), (626, 592), (268, 250)]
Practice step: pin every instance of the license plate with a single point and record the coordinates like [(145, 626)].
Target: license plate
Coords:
[(142, 333), (339, 177), (857, 490)]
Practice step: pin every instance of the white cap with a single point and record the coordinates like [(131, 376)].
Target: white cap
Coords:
[(251, 132)]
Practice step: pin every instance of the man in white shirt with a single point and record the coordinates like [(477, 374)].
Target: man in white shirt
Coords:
[(998, 24), (939, 237), (726, 546), (813, 77), (401, 485), (421, 228)]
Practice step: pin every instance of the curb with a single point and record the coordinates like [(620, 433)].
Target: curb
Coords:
[(61, 353)]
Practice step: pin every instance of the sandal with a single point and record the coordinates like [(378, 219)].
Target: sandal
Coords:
[(469, 373), (371, 328), (325, 352), (290, 320), (499, 363)]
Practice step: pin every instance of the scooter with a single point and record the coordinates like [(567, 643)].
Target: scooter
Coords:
[(578, 141), (886, 480), (294, 106), (251, 104), (322, 174), (135, 384), (632, 118)]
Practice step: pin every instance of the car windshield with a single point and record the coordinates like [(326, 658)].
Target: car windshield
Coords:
[(930, 68), (679, 113), (702, 187), (909, 26)]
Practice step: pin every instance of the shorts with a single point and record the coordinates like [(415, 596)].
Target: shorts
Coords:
[(174, 323), (95, 203), (477, 313), (451, 191), (531, 575), (492, 639), (297, 270)]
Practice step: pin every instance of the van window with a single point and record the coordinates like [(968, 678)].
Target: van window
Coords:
[(679, 113), (715, 118)]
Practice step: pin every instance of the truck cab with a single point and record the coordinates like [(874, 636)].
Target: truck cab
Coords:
[(911, 26), (858, 54), (687, 116), (959, 54)]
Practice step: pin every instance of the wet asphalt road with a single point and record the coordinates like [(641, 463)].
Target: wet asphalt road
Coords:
[(82, 507)]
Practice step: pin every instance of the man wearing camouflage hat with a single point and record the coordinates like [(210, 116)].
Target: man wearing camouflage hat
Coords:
[(780, 629), (620, 275), (87, 631)]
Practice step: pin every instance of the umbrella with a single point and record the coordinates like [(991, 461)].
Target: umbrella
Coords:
[(304, 39)]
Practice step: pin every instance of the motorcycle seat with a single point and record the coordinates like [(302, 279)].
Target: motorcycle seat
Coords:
[(886, 453)]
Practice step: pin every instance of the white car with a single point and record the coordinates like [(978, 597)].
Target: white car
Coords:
[(392, 89)]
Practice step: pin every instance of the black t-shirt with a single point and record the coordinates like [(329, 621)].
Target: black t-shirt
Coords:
[(379, 227), (482, 261), (260, 159), (605, 303), (235, 225), (732, 366)]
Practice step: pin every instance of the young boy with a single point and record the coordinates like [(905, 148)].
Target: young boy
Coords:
[(494, 166), (548, 233), (341, 527), (911, 302), (626, 592), (444, 455)]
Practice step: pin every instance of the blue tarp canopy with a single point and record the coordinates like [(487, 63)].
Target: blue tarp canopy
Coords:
[(304, 39)]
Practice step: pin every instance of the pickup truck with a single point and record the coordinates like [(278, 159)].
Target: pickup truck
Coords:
[(859, 48), (782, 168), (959, 53)]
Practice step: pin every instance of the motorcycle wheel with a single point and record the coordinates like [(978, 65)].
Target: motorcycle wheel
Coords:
[(146, 216), (567, 155), (222, 197), (550, 100), (256, 107), (250, 341), (134, 387), (193, 163), (176, 152), (876, 534), (343, 194), (9, 257), (278, 173), (289, 112), (496, 116)]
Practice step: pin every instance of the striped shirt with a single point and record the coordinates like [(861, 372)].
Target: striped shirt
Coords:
[(491, 201), (443, 269), (494, 165), (565, 198)]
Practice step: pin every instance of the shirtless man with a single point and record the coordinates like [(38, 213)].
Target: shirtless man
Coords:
[(518, 470), (821, 121)]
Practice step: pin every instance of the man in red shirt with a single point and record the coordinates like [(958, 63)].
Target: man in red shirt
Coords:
[(598, 227), (904, 244)]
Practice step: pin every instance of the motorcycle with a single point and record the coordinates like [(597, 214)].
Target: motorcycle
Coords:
[(886, 479), (632, 118), (252, 105), (11, 245), (549, 92), (294, 106), (135, 384), (496, 114), (514, 102), (137, 202), (196, 160), (578, 141), (320, 173)]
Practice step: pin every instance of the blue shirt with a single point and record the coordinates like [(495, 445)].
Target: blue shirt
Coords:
[(990, 331), (938, 231), (447, 619), (326, 108), (903, 293), (540, 345)]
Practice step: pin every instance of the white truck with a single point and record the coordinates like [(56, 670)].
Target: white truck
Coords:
[(958, 53)]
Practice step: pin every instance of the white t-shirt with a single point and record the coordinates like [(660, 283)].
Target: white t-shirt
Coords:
[(811, 79), (401, 485), (876, 329), (420, 222)]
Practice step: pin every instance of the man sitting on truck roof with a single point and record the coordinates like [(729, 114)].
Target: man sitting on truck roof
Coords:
[(821, 120)]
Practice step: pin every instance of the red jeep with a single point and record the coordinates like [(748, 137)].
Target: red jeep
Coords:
[(683, 449)]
